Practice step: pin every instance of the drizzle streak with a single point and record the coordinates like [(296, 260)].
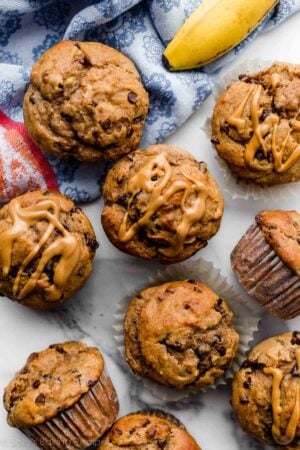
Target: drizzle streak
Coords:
[(66, 247), (291, 429), (153, 178), (261, 130)]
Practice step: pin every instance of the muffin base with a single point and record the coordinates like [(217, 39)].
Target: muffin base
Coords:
[(81, 425), (265, 276)]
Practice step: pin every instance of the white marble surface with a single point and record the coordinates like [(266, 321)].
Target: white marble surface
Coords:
[(90, 315)]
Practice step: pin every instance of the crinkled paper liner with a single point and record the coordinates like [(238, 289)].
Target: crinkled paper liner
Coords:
[(83, 423), (246, 319), (236, 187)]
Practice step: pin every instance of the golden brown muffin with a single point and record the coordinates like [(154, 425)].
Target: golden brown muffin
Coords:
[(147, 430), (180, 334), (161, 203), (256, 125), (85, 100), (266, 392), (62, 398), (267, 262), (47, 246)]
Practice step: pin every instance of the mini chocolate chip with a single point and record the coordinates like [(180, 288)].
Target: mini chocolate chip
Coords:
[(161, 443), (106, 124), (247, 384), (264, 115), (138, 119), (40, 400), (60, 350), (192, 281), (278, 110), (251, 81), (91, 243), (123, 200), (224, 127), (215, 141), (253, 365), (187, 306), (24, 371), (221, 350), (244, 400), (60, 86), (130, 132), (36, 384), (196, 289), (132, 97), (32, 99), (170, 291), (133, 430), (295, 339), (66, 116), (152, 432), (146, 423), (32, 357), (242, 76), (259, 155), (295, 371), (76, 44), (218, 305)]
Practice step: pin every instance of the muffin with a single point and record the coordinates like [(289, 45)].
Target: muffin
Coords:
[(256, 125), (62, 398), (47, 246), (161, 203), (267, 262), (85, 100), (266, 392), (180, 334), (148, 429)]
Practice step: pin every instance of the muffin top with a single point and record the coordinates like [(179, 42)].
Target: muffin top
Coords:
[(180, 334), (281, 229), (148, 430), (266, 391), (50, 382), (47, 245), (161, 203), (85, 100), (256, 125)]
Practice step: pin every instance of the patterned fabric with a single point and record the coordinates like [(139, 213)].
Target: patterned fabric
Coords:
[(140, 29)]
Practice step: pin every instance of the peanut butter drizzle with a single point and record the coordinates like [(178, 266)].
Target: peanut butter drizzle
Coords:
[(291, 429), (261, 130), (153, 179), (67, 247)]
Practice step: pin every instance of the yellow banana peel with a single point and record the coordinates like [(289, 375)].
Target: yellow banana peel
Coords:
[(214, 29)]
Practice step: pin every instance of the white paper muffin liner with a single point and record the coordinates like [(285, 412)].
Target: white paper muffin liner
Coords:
[(237, 188), (245, 322)]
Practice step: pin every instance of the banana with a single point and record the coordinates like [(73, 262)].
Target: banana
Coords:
[(212, 30)]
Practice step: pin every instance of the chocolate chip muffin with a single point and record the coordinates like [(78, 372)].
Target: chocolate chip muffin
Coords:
[(266, 392), (256, 125), (85, 100), (62, 398), (161, 203), (145, 430), (180, 334), (267, 262), (47, 246)]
